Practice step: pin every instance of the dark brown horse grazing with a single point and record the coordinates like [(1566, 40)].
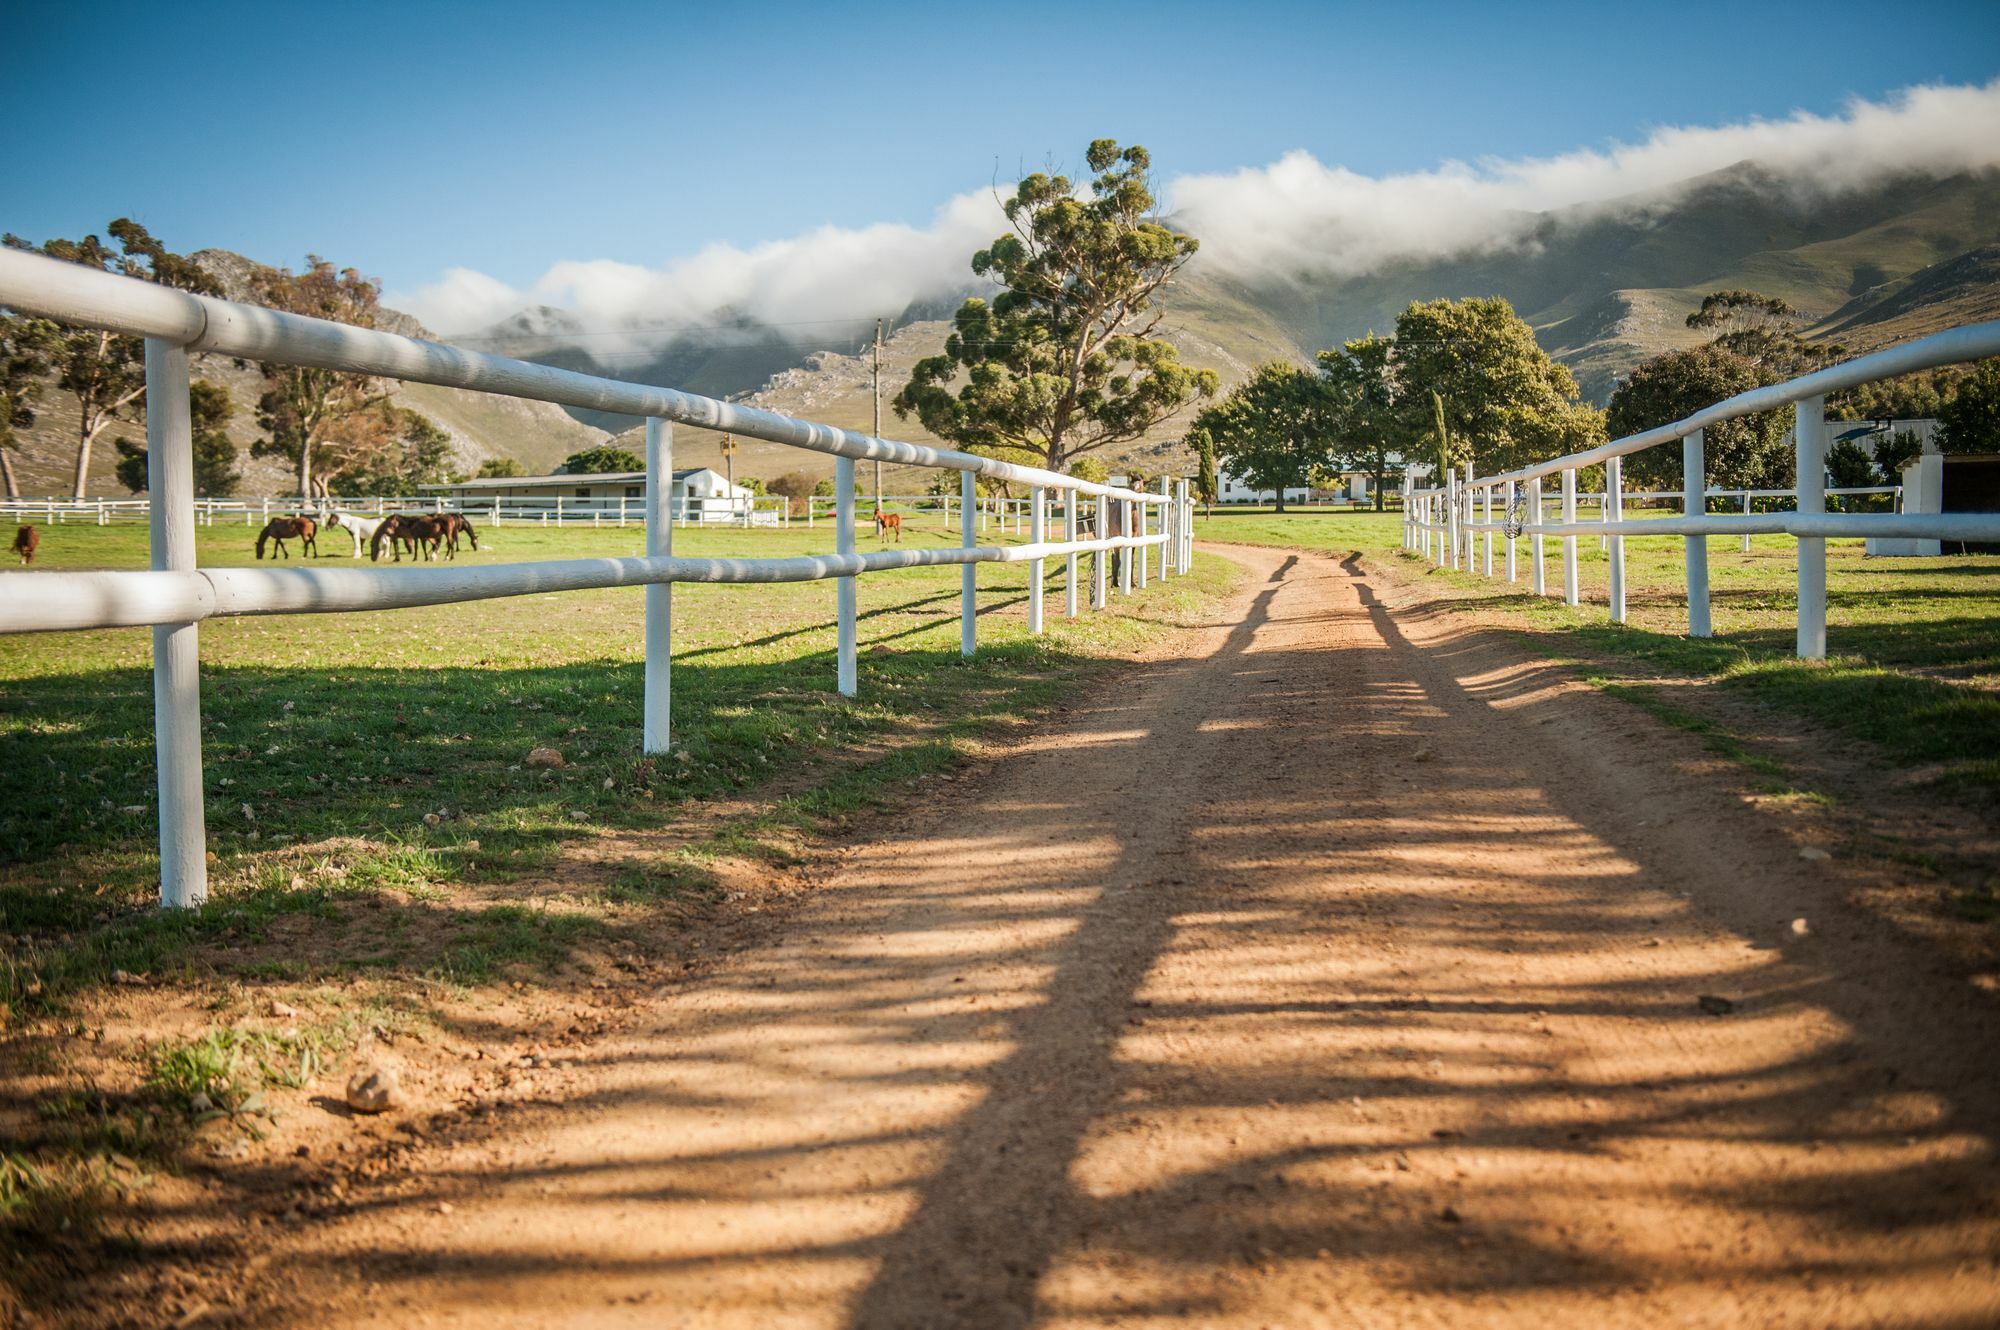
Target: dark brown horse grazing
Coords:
[(422, 533), (26, 541), (887, 522), (456, 525), (281, 529)]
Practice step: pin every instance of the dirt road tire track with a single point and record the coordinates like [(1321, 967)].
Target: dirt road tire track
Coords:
[(1321, 974)]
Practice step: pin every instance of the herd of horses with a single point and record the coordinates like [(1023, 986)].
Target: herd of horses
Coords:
[(423, 535)]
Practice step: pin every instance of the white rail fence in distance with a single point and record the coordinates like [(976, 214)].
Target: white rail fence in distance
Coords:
[(1450, 522)]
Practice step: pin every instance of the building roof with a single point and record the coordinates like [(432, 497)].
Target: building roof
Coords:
[(561, 478)]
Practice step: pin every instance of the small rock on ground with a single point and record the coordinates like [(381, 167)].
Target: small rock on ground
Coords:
[(374, 1089)]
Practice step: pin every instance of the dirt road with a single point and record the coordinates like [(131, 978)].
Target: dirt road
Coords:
[(1342, 970)]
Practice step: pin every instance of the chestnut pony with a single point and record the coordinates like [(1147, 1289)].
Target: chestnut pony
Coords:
[(887, 522), (26, 541), (281, 529)]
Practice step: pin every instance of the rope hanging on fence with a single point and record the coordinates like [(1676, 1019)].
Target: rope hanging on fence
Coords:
[(1517, 516)]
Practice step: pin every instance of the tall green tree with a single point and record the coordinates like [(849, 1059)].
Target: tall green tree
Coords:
[(501, 468), (1065, 360), (26, 349), (210, 410), (1506, 403), (1370, 432), (1970, 421), (104, 371), (390, 450), (1748, 452), (302, 405), (1091, 469), (1764, 332), (1274, 431), (1207, 479), (601, 460)]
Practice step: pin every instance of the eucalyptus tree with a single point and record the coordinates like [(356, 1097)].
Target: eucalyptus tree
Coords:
[(1505, 402), (1067, 358), (1274, 431), (106, 371), (303, 405), (26, 347), (1370, 431), (210, 409)]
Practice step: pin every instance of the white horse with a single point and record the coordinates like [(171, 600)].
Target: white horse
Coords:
[(361, 528)]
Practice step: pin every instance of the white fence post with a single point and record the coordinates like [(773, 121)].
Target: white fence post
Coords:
[(1069, 570), (1513, 566), (1694, 503), (1809, 485), (176, 653), (1570, 596), (1451, 518), (1746, 513), (1486, 508), (1097, 557), (1614, 511), (1537, 558), (843, 543), (1037, 533), (657, 731), (1141, 556), (1166, 527), (1466, 518), (1125, 551), (1187, 529), (968, 584)]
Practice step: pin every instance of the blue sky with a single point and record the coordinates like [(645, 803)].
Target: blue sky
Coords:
[(411, 138)]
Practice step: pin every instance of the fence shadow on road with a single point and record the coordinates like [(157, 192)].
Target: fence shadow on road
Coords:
[(1297, 982)]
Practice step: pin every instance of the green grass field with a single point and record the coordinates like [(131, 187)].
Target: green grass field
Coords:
[(354, 752), (1913, 644)]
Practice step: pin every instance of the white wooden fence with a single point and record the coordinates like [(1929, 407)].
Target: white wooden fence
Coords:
[(176, 595), (1449, 522), (514, 510), (1001, 513)]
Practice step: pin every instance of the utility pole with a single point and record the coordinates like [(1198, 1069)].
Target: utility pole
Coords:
[(878, 411)]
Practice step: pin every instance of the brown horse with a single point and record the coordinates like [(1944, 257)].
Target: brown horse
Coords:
[(456, 525), (421, 532), (26, 541), (887, 522), (281, 529)]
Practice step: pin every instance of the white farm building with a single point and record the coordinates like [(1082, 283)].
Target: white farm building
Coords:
[(699, 494)]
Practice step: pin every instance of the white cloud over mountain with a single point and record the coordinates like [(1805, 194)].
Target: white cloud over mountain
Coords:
[(1294, 216)]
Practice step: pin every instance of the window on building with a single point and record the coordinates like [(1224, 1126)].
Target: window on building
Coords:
[(635, 491), (583, 491)]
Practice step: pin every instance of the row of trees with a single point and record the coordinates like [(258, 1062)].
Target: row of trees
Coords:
[(1758, 340), (331, 428), (1461, 381), (1464, 381)]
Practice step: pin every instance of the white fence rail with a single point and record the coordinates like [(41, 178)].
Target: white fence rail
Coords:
[(1000, 512), (176, 595), (554, 510), (1449, 522)]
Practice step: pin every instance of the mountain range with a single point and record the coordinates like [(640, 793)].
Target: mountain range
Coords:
[(1604, 286)]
